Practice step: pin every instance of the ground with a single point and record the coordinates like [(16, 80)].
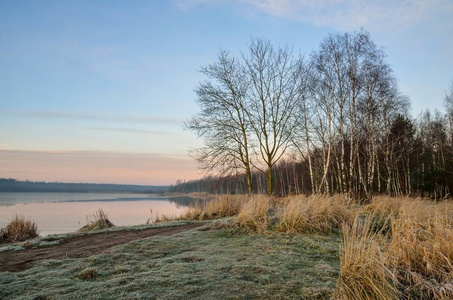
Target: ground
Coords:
[(213, 260)]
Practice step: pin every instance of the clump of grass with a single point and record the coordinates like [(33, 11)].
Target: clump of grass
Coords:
[(422, 255), (363, 273), (316, 213), (162, 219), (88, 274), (19, 229), (222, 206), (97, 221), (419, 251), (254, 214)]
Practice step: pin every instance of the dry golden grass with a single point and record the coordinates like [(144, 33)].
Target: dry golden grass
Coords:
[(418, 248), (320, 214), (315, 214), (222, 206), (392, 248), (363, 273), (97, 221), (421, 251), (254, 214), (19, 229)]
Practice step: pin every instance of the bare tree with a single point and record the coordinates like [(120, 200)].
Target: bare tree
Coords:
[(271, 100), (222, 121), (342, 112)]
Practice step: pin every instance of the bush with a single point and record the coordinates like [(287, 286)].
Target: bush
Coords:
[(19, 229), (97, 221)]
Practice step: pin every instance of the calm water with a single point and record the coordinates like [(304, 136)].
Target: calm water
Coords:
[(67, 212)]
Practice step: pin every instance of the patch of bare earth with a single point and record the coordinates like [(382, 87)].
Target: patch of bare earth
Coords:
[(81, 246)]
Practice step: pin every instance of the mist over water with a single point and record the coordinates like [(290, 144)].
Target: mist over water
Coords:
[(57, 213)]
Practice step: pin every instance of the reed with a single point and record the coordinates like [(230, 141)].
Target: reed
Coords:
[(421, 251)]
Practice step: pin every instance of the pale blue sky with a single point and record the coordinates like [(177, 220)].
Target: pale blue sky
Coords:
[(112, 81)]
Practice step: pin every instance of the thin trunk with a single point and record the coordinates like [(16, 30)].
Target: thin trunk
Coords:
[(269, 180)]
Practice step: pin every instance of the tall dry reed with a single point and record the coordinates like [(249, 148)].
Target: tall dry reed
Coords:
[(421, 251)]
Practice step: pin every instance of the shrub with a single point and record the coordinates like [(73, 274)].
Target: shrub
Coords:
[(19, 229), (97, 221)]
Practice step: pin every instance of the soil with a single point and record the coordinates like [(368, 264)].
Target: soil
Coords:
[(81, 246)]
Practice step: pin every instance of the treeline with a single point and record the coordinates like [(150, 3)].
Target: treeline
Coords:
[(13, 185), (335, 122), (422, 166)]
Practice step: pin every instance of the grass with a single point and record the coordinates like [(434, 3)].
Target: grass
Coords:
[(97, 221), (297, 247), (316, 213), (363, 273), (215, 261), (222, 206), (391, 248), (409, 255), (19, 229)]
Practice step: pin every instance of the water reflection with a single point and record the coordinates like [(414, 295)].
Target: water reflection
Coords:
[(62, 213)]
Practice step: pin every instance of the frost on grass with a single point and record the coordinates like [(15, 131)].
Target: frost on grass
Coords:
[(220, 262)]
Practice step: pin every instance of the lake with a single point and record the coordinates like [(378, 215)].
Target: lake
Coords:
[(56, 213)]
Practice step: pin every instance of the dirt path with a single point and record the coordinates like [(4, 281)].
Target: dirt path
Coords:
[(81, 246)]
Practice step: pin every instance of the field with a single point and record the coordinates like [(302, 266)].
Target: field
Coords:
[(254, 248)]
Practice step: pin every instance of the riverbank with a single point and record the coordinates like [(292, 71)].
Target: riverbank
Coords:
[(214, 260)]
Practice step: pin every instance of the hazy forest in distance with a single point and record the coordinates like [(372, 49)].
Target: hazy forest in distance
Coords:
[(13, 185), (330, 122)]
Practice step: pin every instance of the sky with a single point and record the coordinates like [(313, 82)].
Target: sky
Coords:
[(98, 91)]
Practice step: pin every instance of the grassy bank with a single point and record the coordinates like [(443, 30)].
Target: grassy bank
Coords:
[(214, 261), (258, 247), (392, 248)]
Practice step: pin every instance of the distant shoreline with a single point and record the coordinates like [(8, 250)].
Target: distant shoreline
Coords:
[(13, 185)]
